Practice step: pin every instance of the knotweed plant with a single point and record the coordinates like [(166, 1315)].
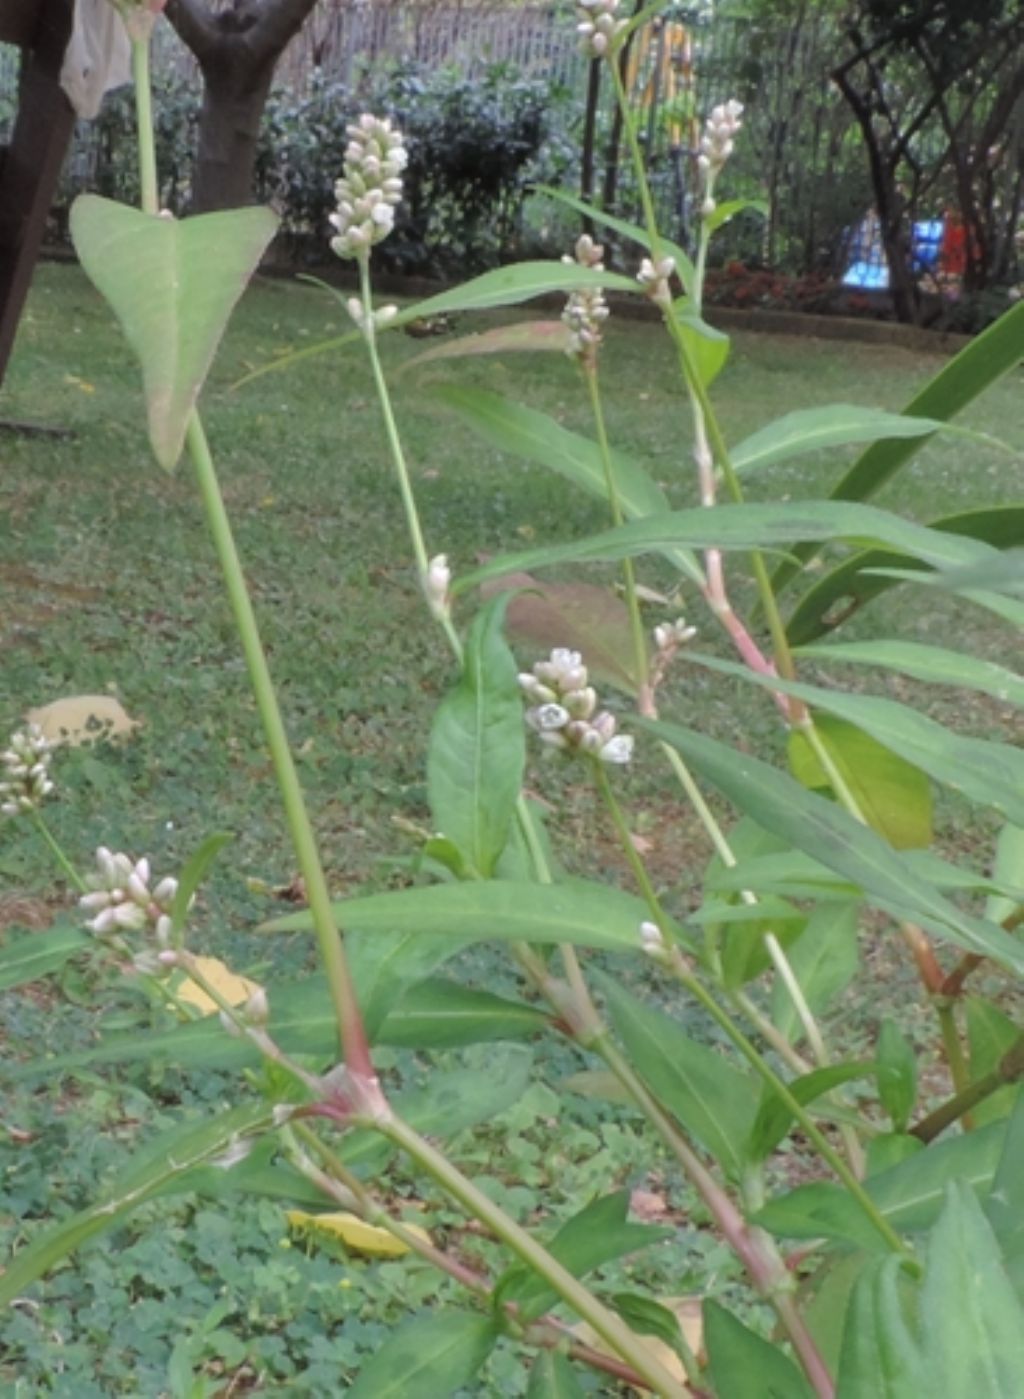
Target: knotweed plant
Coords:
[(894, 1268)]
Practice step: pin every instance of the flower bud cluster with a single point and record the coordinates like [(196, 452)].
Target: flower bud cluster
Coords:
[(598, 26), (718, 141), (121, 900), (25, 765), (436, 582), (654, 277), (669, 636), (380, 318), (565, 713), (370, 187), (586, 310)]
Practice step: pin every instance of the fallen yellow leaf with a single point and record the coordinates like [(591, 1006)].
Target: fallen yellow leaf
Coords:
[(236, 990), (354, 1232), (82, 718)]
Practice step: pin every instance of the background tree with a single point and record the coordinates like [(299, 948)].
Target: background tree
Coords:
[(237, 47), (936, 87)]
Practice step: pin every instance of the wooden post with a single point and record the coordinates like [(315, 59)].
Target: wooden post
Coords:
[(32, 162)]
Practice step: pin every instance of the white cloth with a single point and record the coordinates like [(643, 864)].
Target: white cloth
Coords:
[(98, 56)]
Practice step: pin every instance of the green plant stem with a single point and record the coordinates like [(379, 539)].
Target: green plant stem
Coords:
[(644, 696), (256, 1035), (395, 444), (348, 1190), (756, 1252), (57, 851), (150, 196), (350, 1023), (686, 978), (919, 944), (606, 1324), (1010, 1069), (694, 383), (957, 1061)]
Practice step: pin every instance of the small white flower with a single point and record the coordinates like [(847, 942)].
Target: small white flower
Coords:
[(654, 277), (617, 750), (547, 717), (256, 1010), (651, 939), (436, 584)]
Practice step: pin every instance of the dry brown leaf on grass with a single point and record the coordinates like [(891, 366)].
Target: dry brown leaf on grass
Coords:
[(580, 616), (81, 719)]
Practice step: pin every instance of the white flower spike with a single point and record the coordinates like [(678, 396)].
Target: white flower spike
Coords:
[(25, 772), (369, 189)]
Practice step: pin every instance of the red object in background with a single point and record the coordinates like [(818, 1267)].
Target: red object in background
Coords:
[(953, 252)]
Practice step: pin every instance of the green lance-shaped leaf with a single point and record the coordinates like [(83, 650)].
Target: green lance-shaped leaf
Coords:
[(935, 665), (881, 1357), (599, 1233), (714, 1101), (824, 960), (537, 437), (1005, 1204), (576, 911), (435, 1014), (1008, 869), (195, 871), (503, 286), (162, 1164), (989, 773), (910, 1195), (744, 1365), (521, 337), (990, 1035), (774, 1117), (34, 955), (799, 876), (708, 348), (972, 1322), (731, 527), (173, 285), (553, 1377), (821, 829), (814, 429), (435, 1354), (846, 588), (897, 1074), (988, 356), (478, 747), (728, 209)]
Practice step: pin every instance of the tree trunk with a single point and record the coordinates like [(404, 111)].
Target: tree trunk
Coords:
[(237, 48), (234, 96)]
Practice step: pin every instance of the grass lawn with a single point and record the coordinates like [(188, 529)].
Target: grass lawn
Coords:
[(108, 584)]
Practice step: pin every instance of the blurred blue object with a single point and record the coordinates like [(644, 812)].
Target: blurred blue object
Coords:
[(869, 270)]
